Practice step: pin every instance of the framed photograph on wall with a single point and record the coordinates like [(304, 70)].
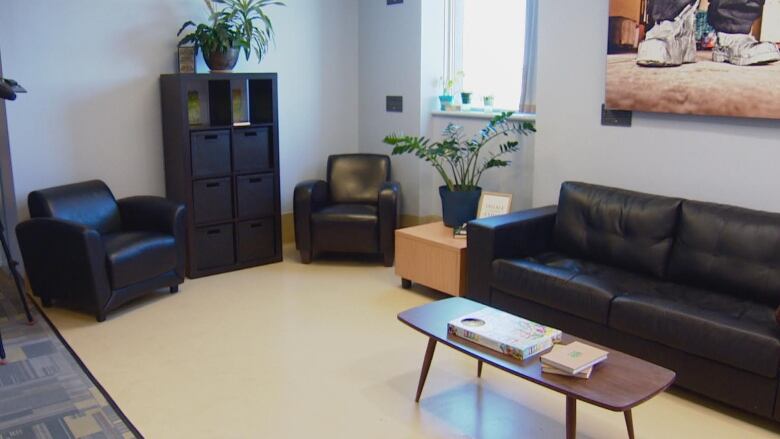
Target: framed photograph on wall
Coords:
[(704, 57), (494, 204)]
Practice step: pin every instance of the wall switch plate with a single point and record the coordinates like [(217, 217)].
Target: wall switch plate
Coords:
[(394, 2), (615, 118), (395, 104)]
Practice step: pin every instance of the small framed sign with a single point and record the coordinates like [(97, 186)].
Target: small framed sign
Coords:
[(187, 59), (494, 204)]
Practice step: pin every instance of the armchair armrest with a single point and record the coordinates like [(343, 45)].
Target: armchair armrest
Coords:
[(516, 235), (389, 203), (157, 214), (153, 214), (65, 260), (309, 196)]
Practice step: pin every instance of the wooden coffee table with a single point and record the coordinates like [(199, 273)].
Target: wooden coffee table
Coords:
[(618, 384)]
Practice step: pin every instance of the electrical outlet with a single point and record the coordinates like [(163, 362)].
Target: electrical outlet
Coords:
[(395, 104), (615, 118)]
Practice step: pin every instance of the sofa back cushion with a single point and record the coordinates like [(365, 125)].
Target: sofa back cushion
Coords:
[(631, 230), (728, 249)]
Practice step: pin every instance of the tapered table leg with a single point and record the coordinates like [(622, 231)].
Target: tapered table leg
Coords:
[(426, 366), (629, 423), (571, 417), (479, 368)]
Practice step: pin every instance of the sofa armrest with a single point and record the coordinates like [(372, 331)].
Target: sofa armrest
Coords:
[(65, 260), (309, 196), (157, 214), (389, 203), (515, 235)]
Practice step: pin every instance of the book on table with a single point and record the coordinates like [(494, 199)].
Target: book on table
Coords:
[(574, 357), (504, 332), (585, 374)]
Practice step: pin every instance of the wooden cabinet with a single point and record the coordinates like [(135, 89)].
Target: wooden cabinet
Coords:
[(221, 138)]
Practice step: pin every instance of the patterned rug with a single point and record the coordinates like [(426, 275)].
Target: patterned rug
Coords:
[(45, 389)]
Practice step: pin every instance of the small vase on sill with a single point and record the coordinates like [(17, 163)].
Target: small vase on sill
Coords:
[(445, 102)]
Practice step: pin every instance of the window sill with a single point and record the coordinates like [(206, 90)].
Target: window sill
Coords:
[(482, 115)]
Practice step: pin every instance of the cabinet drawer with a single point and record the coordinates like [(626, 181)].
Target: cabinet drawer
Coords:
[(213, 200), (255, 195), (256, 240), (210, 153), (251, 149), (214, 247)]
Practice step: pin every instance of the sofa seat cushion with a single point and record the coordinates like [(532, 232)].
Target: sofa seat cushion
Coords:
[(581, 288), (133, 257), (346, 228), (719, 327)]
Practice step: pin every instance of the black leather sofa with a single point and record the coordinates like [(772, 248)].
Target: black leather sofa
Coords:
[(83, 248), (356, 210), (689, 285)]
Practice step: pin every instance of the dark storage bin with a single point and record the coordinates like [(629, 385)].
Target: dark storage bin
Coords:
[(250, 149), (214, 246), (210, 153), (256, 240), (255, 195), (213, 200)]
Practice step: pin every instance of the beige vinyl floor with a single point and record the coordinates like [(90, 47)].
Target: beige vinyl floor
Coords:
[(295, 351)]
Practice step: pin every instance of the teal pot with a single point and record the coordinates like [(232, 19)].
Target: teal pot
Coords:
[(222, 61), (465, 98), (445, 101), (458, 207)]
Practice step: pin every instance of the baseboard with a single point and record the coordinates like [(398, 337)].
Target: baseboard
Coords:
[(288, 224)]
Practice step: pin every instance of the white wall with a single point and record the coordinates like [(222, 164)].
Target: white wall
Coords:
[(726, 160), (390, 64), (92, 69)]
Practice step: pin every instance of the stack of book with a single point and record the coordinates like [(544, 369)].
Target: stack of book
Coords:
[(504, 332), (574, 359)]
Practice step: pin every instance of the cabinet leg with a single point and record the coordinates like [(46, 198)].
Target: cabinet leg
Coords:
[(479, 369), (406, 284)]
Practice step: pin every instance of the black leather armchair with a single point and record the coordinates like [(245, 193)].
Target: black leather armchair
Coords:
[(355, 211), (84, 248)]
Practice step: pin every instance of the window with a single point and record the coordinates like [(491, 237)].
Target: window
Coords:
[(486, 42)]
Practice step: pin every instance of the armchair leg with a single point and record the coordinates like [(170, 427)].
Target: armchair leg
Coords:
[(46, 302), (389, 259), (306, 256), (101, 316), (174, 289)]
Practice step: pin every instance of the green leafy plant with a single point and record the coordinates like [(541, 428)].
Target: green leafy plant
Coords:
[(239, 24), (447, 84), (460, 160)]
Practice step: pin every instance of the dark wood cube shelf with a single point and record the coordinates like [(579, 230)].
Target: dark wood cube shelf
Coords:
[(221, 136)]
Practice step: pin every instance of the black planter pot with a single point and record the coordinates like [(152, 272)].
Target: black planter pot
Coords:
[(458, 207), (222, 61)]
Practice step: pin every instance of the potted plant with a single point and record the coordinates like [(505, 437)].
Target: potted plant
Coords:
[(237, 25), (461, 161), (445, 99), (487, 101), (465, 99)]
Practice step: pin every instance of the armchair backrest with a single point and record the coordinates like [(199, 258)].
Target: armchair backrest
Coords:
[(90, 203), (357, 178)]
